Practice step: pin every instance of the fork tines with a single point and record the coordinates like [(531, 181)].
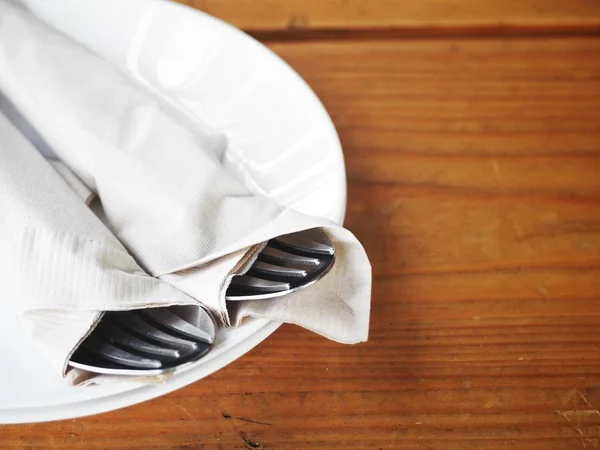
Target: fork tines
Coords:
[(148, 341), (287, 263)]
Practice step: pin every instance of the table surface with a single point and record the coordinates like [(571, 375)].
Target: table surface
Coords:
[(472, 138)]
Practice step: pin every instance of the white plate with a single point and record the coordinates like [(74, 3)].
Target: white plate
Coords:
[(281, 141)]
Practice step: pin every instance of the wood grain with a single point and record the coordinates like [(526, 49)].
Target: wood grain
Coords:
[(474, 184), (423, 16)]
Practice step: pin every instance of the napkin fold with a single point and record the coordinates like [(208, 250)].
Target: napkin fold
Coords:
[(80, 188), (163, 186), (61, 267)]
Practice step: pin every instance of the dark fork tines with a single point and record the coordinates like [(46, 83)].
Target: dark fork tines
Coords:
[(150, 341), (287, 264)]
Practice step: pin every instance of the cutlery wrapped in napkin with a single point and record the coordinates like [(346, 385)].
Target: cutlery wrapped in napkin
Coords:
[(165, 192), (61, 267)]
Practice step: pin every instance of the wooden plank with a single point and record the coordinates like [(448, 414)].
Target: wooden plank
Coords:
[(466, 155), (362, 398), (474, 183), (428, 15)]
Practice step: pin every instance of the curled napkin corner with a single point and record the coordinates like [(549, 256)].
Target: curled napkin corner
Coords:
[(335, 307)]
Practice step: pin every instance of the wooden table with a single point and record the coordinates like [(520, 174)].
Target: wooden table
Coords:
[(472, 140)]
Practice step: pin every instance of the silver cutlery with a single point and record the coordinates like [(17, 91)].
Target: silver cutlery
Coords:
[(154, 341), (150, 341), (287, 264)]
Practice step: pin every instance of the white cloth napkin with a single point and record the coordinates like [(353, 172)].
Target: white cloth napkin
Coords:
[(162, 184), (60, 266)]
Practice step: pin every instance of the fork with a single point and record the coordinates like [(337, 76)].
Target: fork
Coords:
[(150, 341), (287, 264)]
